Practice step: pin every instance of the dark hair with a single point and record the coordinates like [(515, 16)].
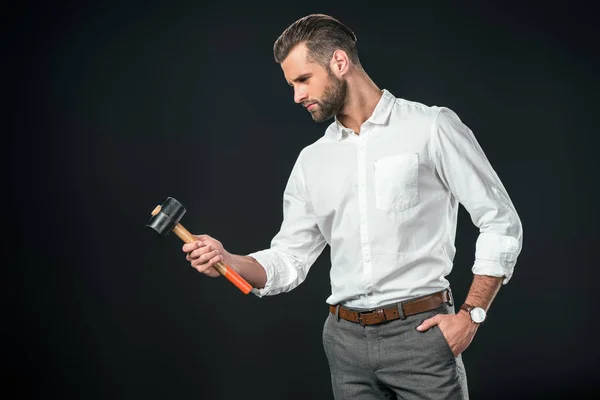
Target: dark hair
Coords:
[(322, 34)]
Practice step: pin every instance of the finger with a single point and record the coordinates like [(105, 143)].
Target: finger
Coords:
[(204, 258), (192, 256), (215, 259), (428, 323), (202, 249), (188, 247), (213, 273), (207, 268)]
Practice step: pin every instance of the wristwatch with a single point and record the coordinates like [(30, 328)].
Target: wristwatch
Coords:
[(477, 313)]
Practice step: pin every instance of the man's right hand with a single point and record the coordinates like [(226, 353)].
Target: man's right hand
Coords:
[(205, 253)]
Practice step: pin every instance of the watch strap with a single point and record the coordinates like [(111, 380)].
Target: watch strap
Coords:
[(467, 308)]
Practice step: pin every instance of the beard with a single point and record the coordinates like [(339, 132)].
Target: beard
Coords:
[(333, 99)]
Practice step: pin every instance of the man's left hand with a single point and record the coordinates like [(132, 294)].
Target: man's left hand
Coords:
[(458, 329)]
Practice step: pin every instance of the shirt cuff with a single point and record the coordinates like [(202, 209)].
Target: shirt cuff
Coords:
[(279, 274), (496, 255)]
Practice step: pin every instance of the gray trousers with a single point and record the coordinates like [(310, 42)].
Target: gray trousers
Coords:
[(392, 360)]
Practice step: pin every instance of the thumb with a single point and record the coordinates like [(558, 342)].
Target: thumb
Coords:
[(428, 323)]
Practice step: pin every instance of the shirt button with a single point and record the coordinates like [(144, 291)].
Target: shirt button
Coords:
[(370, 294), (368, 260), (362, 184)]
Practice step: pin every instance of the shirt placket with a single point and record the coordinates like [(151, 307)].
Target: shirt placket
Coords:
[(362, 211)]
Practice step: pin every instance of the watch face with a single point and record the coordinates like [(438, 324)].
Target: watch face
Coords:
[(478, 315)]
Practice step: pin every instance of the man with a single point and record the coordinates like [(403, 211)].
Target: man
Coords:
[(382, 187)]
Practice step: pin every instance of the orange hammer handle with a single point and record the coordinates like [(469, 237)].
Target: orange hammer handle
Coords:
[(221, 267)]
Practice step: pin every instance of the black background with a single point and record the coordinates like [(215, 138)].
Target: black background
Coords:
[(110, 107)]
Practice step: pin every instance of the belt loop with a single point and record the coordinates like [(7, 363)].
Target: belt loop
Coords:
[(400, 310), (381, 315), (337, 312), (450, 298)]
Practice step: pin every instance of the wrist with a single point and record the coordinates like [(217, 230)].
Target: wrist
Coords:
[(466, 322), (464, 316), (228, 259)]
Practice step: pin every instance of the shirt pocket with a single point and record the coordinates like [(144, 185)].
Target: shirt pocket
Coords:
[(396, 182)]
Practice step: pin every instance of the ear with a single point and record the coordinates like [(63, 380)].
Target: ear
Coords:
[(340, 63)]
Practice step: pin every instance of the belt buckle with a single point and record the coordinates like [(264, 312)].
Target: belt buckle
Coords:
[(450, 298), (360, 321)]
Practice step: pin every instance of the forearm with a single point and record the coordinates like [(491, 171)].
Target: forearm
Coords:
[(483, 290), (249, 269)]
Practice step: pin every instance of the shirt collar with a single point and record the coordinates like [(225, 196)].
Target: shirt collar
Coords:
[(379, 117)]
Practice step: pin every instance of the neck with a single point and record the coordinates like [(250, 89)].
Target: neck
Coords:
[(363, 96)]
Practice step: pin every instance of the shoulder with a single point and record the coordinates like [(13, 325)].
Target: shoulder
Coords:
[(413, 109), (433, 116)]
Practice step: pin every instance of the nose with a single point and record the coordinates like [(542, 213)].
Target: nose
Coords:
[(299, 95)]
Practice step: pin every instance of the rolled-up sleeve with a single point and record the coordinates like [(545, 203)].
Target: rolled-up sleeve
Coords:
[(296, 246), (466, 172)]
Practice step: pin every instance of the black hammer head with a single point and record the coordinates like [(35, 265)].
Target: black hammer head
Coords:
[(167, 217)]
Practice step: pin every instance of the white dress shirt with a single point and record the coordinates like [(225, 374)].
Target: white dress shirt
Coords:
[(386, 201)]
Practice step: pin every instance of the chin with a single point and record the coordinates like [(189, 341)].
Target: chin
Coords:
[(321, 119)]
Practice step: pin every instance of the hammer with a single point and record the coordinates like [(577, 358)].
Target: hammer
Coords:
[(165, 218)]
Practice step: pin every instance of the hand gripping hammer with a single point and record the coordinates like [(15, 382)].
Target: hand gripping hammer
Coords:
[(165, 218)]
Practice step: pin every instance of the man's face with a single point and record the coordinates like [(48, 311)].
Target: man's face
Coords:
[(315, 87)]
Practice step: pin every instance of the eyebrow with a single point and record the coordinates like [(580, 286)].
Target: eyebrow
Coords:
[(300, 77)]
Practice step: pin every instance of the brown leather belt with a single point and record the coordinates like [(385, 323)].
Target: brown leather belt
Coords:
[(409, 307)]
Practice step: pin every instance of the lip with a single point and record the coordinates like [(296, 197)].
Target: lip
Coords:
[(311, 106)]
